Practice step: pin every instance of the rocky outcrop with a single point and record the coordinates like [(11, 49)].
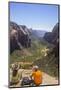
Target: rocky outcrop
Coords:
[(19, 36), (52, 37)]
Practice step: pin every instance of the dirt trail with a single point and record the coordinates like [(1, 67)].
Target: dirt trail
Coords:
[(47, 79)]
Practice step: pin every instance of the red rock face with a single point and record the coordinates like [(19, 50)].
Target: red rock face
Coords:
[(19, 37)]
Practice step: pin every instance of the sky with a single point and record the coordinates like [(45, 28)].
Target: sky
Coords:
[(35, 16)]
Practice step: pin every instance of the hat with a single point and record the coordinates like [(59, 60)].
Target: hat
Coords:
[(35, 67)]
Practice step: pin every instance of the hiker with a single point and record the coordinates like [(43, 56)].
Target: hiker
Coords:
[(36, 76), (15, 79)]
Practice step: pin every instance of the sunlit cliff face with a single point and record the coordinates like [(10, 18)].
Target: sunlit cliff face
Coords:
[(14, 34)]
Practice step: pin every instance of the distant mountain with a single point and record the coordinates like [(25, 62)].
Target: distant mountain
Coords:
[(38, 33)]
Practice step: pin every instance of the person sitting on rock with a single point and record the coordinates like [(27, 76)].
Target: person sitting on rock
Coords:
[(15, 78), (36, 76)]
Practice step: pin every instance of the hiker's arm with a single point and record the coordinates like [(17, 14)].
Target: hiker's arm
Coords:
[(32, 75), (20, 74)]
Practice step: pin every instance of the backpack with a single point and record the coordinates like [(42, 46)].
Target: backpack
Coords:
[(26, 81)]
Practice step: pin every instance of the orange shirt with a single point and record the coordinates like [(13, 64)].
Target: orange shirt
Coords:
[(37, 77)]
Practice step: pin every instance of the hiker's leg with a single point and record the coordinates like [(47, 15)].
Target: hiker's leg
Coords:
[(32, 82)]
